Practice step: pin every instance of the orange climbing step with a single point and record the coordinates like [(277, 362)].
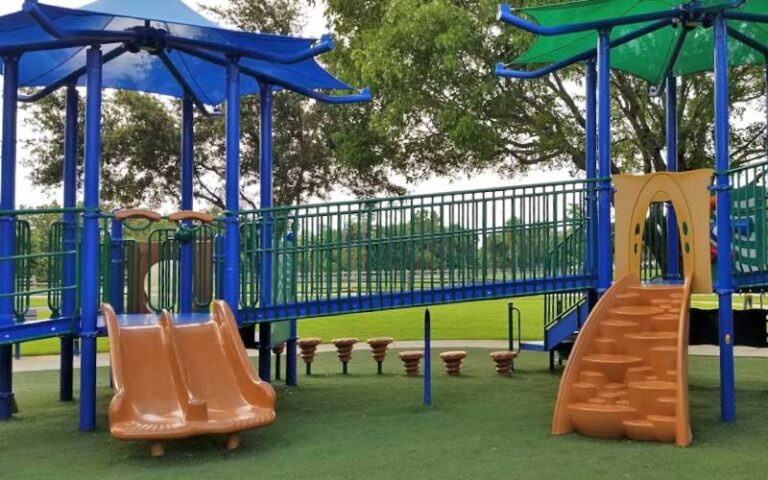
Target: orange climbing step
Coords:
[(181, 379), (627, 375)]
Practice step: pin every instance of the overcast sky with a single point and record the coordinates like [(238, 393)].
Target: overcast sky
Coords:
[(315, 26)]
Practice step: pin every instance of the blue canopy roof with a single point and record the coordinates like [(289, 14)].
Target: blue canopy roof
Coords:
[(161, 47)]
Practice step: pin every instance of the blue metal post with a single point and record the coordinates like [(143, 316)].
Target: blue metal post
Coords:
[(69, 274), (90, 257), (722, 189), (231, 275), (591, 168), (187, 254), (266, 189), (427, 358), (291, 362), (7, 225), (673, 236), (605, 257), (117, 269)]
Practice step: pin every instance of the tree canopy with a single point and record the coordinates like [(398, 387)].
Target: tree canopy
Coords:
[(438, 109)]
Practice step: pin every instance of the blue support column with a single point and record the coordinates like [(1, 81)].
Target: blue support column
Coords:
[(605, 255), (187, 254), (69, 267), (427, 358), (116, 272), (8, 225), (722, 189), (673, 236), (291, 356), (591, 168), (231, 281), (266, 190), (90, 252)]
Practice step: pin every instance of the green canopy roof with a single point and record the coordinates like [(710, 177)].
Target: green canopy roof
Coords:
[(648, 56)]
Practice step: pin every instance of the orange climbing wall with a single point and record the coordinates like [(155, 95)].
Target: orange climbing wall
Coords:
[(627, 375)]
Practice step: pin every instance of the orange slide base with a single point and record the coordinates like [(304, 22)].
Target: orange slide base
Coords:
[(628, 375), (178, 380)]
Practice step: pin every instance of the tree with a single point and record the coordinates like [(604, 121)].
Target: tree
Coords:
[(141, 139), (440, 109)]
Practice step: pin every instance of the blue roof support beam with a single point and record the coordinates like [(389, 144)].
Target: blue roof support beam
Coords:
[(746, 17), (591, 164), (231, 283), (49, 45), (604, 190), (187, 254), (90, 250), (363, 96), (671, 62), (266, 194), (747, 40), (69, 262), (189, 93), (8, 224), (326, 44), (502, 71), (506, 15), (72, 77), (93, 36), (673, 236), (722, 191)]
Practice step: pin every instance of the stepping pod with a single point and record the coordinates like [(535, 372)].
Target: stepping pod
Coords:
[(504, 361), (344, 347), (308, 347), (379, 350), (411, 362), (453, 361)]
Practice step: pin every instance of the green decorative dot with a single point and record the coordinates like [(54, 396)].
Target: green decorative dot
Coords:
[(637, 229), (687, 247), (685, 228), (635, 249)]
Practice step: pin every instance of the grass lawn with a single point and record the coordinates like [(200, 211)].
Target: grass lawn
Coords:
[(465, 321), (370, 427)]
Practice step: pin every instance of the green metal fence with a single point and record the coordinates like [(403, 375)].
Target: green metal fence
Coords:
[(749, 190), (405, 245), (559, 304), (38, 259)]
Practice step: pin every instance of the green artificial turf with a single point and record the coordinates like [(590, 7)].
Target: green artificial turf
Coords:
[(365, 426)]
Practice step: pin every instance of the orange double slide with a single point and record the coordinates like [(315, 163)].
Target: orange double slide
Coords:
[(628, 373), (181, 379)]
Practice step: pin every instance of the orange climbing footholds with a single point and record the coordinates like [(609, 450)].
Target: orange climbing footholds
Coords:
[(379, 350), (344, 347), (308, 347), (453, 361), (411, 362), (504, 361)]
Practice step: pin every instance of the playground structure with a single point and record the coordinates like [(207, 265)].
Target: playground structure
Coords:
[(278, 264)]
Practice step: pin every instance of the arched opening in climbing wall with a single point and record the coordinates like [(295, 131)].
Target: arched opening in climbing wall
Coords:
[(655, 262)]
